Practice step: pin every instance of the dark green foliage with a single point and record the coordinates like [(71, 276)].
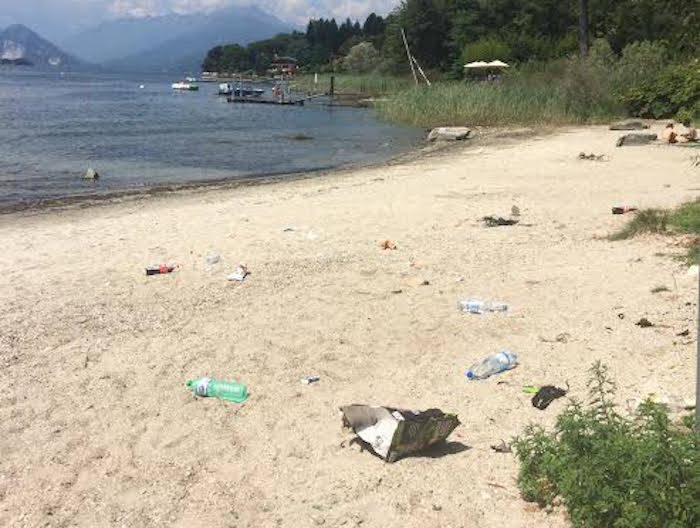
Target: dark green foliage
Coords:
[(675, 89), (611, 470)]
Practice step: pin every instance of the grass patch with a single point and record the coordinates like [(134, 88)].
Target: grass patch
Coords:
[(478, 103), (611, 470), (682, 220), (371, 84)]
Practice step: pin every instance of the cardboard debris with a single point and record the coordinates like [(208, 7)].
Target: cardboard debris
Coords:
[(394, 433)]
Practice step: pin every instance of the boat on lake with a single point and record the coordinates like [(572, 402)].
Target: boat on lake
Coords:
[(185, 86)]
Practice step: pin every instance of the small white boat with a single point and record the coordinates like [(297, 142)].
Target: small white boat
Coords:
[(186, 86), (191, 79)]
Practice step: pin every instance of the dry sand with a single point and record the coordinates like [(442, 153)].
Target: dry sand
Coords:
[(98, 429)]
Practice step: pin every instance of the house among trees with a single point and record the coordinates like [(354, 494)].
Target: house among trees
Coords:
[(283, 66)]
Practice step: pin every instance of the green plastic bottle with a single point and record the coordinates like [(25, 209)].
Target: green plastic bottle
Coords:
[(226, 390)]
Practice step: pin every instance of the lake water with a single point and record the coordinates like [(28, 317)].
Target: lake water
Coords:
[(53, 127)]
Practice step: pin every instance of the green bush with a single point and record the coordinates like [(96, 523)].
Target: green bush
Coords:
[(640, 60), (682, 220), (675, 89), (610, 470)]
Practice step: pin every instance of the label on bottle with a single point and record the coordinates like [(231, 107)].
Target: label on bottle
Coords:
[(202, 386)]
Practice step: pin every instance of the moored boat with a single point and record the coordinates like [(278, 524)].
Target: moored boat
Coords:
[(185, 86)]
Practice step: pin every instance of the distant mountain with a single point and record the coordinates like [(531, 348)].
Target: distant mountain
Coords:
[(20, 45), (172, 43)]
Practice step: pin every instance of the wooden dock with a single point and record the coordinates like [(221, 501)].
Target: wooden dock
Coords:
[(231, 99)]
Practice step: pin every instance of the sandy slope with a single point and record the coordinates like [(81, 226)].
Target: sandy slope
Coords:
[(97, 428)]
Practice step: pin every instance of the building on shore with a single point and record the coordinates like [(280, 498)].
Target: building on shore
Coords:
[(286, 66)]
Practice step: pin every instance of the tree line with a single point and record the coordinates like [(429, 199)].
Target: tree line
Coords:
[(444, 34)]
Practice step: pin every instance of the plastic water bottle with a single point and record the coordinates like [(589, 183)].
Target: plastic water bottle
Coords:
[(478, 307), (504, 360), (225, 390)]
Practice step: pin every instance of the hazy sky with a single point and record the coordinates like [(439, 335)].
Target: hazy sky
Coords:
[(57, 18)]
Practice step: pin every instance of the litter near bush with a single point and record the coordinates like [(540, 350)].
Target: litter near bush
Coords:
[(502, 447), (622, 209), (493, 364), (213, 388), (240, 273), (395, 433), (477, 306), (161, 269), (495, 221), (530, 389), (308, 380), (546, 395)]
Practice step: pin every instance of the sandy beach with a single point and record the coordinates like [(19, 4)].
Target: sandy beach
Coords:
[(98, 429)]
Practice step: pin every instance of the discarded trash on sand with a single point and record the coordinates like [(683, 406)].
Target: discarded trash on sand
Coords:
[(308, 380), (495, 221), (287, 229), (644, 323), (394, 433), (622, 209), (530, 389), (546, 395), (160, 269), (387, 244), (502, 447), (240, 273), (493, 364), (213, 388), (476, 306), (593, 157), (211, 259)]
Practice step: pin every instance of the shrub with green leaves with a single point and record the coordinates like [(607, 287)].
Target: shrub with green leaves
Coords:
[(611, 470), (675, 89)]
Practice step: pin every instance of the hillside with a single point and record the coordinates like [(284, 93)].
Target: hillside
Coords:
[(20, 45)]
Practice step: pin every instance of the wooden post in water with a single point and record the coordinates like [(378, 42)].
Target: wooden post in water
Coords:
[(332, 90)]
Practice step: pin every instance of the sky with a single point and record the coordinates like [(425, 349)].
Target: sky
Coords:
[(56, 19)]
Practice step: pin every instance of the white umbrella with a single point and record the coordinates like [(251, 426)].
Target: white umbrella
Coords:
[(477, 64), (497, 64)]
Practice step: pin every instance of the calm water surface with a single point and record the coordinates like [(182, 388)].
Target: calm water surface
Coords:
[(53, 127)]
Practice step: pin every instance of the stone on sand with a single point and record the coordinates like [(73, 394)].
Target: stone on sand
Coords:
[(449, 134)]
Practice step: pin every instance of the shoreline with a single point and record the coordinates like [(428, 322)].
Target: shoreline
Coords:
[(484, 136)]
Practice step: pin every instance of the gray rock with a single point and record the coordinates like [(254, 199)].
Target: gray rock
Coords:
[(90, 174), (449, 134), (628, 125), (636, 139)]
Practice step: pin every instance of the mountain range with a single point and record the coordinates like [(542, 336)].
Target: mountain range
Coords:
[(20, 45), (170, 43)]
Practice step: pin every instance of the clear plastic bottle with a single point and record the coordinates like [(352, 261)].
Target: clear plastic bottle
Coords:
[(495, 363), (478, 307), (213, 388)]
